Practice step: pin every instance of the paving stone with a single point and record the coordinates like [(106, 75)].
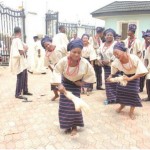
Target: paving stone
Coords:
[(35, 125)]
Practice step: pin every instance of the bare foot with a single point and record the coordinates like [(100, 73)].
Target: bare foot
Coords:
[(74, 131), (132, 116), (54, 98), (118, 110)]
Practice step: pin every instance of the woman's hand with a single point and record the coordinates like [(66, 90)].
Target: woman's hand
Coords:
[(61, 88), (127, 78), (105, 62), (79, 83), (100, 62), (108, 79)]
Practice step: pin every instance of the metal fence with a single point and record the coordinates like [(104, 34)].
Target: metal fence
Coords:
[(52, 24), (8, 20)]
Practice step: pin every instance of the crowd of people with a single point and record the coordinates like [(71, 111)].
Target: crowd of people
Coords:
[(78, 64)]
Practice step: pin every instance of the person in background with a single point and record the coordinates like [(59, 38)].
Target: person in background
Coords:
[(18, 64), (106, 58), (96, 42), (70, 73), (133, 69), (118, 38), (144, 46), (39, 55), (132, 43), (52, 57), (147, 64), (74, 37), (134, 46), (60, 40), (88, 53)]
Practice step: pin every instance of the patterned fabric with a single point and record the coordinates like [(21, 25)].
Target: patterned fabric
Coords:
[(132, 27), (68, 117), (120, 46), (128, 95), (111, 88)]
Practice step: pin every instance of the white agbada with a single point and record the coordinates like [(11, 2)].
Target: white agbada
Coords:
[(135, 46), (147, 56), (60, 40), (39, 61), (17, 62), (85, 72)]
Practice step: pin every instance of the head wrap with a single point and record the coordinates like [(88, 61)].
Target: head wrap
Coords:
[(110, 30), (118, 36), (132, 27), (35, 37), (85, 35), (75, 44), (46, 39), (146, 34), (99, 29), (120, 46)]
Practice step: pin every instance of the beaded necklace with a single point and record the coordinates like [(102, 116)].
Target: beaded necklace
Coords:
[(76, 70), (131, 42), (106, 47)]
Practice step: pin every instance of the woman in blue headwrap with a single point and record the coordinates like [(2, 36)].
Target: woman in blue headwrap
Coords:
[(106, 57), (133, 68), (52, 56), (70, 74)]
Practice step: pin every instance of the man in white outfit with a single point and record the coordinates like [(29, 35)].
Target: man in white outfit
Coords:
[(18, 64)]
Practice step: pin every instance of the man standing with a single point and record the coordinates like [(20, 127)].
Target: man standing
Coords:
[(96, 42), (61, 40), (18, 64)]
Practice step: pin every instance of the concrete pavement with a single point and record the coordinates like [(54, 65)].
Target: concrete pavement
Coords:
[(35, 124)]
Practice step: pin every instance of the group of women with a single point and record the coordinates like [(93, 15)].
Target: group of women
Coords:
[(76, 71)]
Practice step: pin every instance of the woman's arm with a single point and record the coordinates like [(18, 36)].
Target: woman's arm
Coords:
[(136, 76)]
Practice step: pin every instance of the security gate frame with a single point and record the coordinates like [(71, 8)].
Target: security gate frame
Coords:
[(9, 19)]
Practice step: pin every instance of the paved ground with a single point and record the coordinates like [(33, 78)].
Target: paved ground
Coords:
[(34, 124)]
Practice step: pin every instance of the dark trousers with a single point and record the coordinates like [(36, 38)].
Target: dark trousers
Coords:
[(142, 81), (21, 84), (98, 72), (148, 87)]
